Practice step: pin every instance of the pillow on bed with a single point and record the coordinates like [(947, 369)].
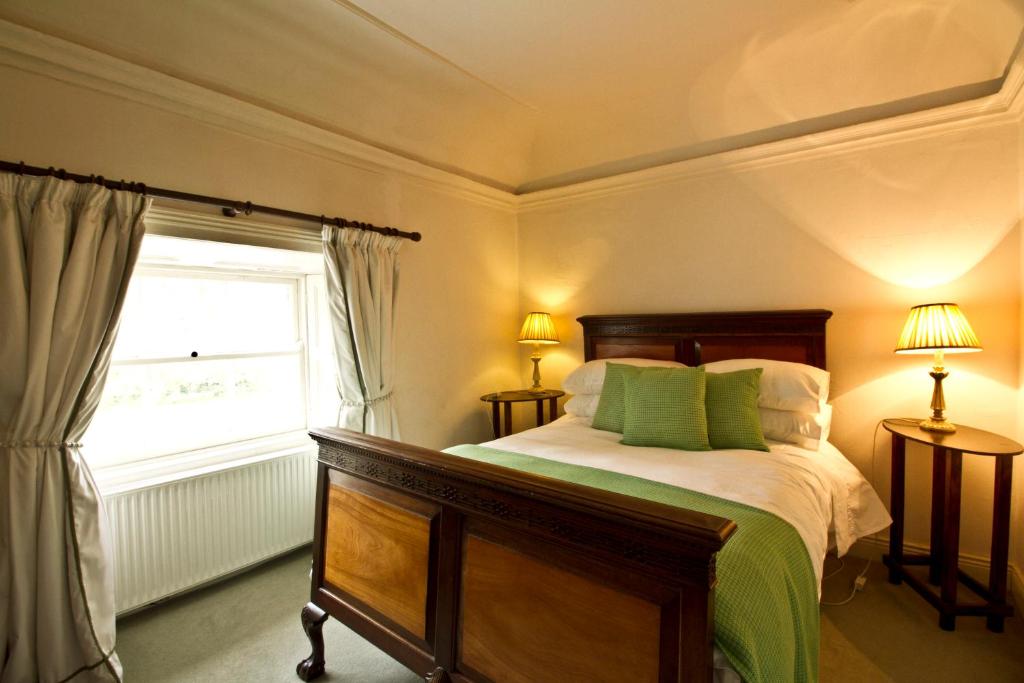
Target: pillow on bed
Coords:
[(807, 430), (611, 406), (582, 405), (664, 407), (589, 377), (784, 385), (731, 404)]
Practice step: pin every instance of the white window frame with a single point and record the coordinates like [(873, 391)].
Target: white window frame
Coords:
[(316, 361)]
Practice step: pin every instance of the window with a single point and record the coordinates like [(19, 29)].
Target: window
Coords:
[(222, 353)]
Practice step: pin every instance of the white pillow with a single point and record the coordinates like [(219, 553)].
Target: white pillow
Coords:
[(589, 377), (582, 405), (807, 430), (784, 385)]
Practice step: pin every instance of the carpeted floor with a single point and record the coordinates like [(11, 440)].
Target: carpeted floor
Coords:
[(247, 630)]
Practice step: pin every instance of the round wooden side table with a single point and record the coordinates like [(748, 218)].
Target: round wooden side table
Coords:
[(507, 398), (944, 551)]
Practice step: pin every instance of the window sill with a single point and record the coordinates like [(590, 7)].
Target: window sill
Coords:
[(120, 479)]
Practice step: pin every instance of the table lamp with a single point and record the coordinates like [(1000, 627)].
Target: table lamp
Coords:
[(938, 329), (537, 329)]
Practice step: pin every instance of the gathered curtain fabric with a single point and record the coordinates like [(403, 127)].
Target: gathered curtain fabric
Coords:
[(67, 251), (362, 287)]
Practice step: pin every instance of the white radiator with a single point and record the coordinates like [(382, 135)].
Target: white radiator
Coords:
[(179, 535)]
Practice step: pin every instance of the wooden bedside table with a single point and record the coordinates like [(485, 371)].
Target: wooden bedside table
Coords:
[(944, 552), (509, 397)]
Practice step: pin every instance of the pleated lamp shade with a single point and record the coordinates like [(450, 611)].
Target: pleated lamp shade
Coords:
[(937, 327), (538, 328)]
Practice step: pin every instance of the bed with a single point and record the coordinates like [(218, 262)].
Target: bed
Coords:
[(502, 567)]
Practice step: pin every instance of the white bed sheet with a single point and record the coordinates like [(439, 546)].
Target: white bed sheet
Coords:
[(820, 493)]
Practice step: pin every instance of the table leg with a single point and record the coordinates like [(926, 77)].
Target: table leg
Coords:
[(950, 537), (938, 507), (1000, 537), (899, 449), (540, 411), (508, 418), (496, 419), (552, 409)]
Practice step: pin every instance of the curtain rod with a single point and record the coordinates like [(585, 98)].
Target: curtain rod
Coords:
[(228, 207)]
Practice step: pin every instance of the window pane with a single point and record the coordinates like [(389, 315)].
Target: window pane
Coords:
[(171, 314), (150, 410)]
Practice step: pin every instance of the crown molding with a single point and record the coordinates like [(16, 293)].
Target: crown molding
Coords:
[(1005, 106), (30, 50), (40, 53)]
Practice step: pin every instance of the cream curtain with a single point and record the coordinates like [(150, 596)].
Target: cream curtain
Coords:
[(362, 286), (66, 253)]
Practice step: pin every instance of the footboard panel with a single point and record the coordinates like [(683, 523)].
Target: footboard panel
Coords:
[(377, 548), (467, 571), (525, 619)]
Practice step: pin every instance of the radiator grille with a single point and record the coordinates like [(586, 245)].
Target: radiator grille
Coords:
[(175, 536)]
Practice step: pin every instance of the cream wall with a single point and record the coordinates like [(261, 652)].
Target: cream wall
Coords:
[(864, 233), (458, 286)]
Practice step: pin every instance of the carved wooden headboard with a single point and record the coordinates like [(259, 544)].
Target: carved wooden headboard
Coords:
[(695, 338)]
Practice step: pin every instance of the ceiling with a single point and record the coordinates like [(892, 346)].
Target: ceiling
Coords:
[(530, 94)]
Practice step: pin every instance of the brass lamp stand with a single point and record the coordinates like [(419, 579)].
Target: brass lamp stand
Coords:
[(937, 422), (535, 357)]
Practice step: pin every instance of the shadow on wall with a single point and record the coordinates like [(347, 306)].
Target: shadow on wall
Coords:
[(875, 220)]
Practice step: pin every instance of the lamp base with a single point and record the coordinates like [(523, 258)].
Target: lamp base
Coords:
[(536, 388), (937, 422), (933, 425)]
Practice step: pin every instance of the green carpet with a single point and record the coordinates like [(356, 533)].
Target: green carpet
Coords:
[(247, 629)]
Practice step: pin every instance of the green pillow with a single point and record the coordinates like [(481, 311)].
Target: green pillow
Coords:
[(665, 408), (611, 407), (730, 401)]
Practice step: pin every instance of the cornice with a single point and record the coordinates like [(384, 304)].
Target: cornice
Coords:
[(1005, 106), (29, 50), (37, 52)]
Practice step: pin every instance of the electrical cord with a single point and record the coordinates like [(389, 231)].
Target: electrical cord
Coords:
[(858, 585), (842, 565)]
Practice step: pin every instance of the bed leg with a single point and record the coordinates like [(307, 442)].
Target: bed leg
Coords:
[(313, 619), (438, 675)]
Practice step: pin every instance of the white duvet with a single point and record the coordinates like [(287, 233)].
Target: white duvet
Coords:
[(820, 493)]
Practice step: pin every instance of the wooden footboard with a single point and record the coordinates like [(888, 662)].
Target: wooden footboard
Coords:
[(466, 571)]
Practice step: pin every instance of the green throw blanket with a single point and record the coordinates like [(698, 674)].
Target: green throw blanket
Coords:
[(766, 602)]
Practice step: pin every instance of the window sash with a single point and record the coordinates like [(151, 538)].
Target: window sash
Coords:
[(228, 274)]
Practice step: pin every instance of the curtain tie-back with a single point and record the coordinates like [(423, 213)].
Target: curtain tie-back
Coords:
[(359, 404), (40, 444)]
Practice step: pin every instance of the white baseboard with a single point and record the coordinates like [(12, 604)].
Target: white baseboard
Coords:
[(872, 548)]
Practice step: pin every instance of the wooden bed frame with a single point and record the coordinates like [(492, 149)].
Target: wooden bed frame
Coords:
[(467, 571)]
